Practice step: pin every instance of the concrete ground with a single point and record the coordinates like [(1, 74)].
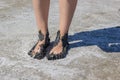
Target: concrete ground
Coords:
[(94, 38)]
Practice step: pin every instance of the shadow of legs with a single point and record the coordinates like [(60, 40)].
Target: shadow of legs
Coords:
[(107, 39)]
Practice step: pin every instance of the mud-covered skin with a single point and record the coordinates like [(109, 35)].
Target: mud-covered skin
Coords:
[(42, 52), (65, 44)]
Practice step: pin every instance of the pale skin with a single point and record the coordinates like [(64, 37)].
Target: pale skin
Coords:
[(41, 9)]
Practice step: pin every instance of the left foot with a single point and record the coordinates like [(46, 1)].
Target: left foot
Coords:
[(57, 49), (60, 46)]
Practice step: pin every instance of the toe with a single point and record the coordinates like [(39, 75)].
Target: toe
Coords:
[(56, 56), (32, 53), (50, 56)]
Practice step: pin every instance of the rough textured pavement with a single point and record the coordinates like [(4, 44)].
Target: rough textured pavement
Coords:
[(94, 39)]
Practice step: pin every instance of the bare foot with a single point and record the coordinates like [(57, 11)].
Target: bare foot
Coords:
[(38, 47), (57, 49)]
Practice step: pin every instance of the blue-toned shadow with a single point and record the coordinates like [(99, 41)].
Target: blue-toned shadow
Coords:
[(107, 39)]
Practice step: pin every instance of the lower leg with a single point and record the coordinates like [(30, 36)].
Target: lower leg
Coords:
[(67, 8), (41, 8)]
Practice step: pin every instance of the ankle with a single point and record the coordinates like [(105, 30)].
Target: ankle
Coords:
[(43, 31), (43, 35), (63, 34), (62, 38)]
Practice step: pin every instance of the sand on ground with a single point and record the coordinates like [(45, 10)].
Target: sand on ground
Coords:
[(94, 38)]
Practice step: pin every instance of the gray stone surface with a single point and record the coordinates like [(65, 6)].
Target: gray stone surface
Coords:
[(93, 36)]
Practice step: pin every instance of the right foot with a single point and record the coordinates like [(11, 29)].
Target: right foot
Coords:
[(38, 50), (38, 47)]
